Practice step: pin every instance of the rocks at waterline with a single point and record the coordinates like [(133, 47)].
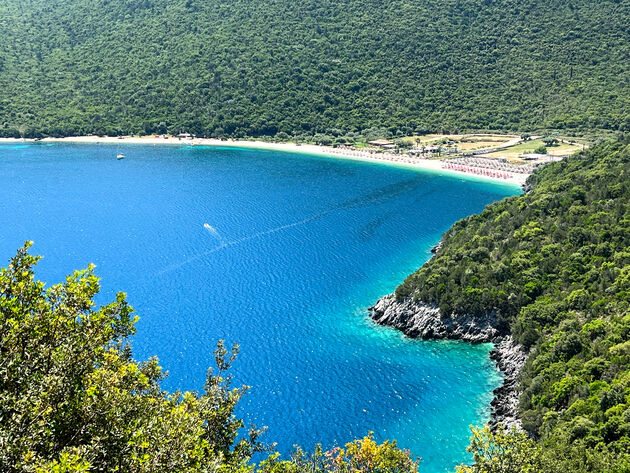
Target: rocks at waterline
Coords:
[(437, 247), (417, 319), (420, 320), (510, 359)]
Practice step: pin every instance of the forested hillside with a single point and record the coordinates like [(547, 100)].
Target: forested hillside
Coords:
[(253, 67), (554, 266)]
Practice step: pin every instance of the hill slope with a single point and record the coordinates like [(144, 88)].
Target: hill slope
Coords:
[(251, 68), (552, 268)]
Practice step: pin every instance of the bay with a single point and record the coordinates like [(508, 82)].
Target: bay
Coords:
[(281, 253)]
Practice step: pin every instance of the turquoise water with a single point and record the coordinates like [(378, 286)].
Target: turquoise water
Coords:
[(281, 253)]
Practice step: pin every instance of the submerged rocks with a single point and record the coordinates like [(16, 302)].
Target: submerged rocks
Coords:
[(421, 320)]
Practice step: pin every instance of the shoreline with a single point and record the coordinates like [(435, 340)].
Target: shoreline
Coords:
[(420, 320), (413, 319), (433, 165), (423, 321)]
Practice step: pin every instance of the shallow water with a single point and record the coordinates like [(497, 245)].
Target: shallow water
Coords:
[(281, 253)]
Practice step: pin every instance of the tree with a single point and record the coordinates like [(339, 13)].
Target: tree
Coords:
[(514, 452), (360, 456), (73, 399), (502, 452)]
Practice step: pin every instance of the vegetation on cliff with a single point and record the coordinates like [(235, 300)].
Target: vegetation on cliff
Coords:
[(312, 67), (554, 266)]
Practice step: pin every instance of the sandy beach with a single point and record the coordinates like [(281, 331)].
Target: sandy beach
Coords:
[(435, 165)]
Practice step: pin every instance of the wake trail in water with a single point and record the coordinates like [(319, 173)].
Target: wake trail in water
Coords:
[(377, 196), (226, 244), (213, 231), (281, 227)]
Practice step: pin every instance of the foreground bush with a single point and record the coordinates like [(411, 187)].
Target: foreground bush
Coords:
[(359, 456), (515, 452), (72, 399)]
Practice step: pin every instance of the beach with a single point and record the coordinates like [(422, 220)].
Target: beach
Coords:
[(435, 165)]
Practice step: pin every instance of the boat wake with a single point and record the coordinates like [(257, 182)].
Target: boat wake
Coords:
[(213, 231), (225, 244), (379, 195)]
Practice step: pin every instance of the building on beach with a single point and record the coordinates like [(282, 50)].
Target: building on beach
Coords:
[(423, 150), (382, 143)]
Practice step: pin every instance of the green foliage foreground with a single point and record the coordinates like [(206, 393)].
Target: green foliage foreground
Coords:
[(515, 452), (73, 399)]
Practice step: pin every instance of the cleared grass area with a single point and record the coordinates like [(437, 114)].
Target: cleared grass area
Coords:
[(425, 139), (563, 149), (466, 145), (463, 142), (513, 152), (472, 142), (516, 150)]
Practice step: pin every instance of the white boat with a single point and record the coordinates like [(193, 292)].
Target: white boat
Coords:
[(120, 156)]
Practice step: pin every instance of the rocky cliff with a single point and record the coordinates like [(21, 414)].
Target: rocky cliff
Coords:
[(420, 320)]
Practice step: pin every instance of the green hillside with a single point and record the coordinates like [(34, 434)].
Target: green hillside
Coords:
[(254, 68), (554, 264)]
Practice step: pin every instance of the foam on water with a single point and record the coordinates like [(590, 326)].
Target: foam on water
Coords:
[(213, 232), (280, 253)]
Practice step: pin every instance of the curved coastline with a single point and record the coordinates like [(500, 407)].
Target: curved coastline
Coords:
[(416, 319), (426, 165)]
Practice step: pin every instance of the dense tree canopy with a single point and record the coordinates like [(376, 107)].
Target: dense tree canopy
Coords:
[(253, 67), (554, 266)]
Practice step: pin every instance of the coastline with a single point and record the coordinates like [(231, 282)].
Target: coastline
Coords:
[(416, 319), (433, 165)]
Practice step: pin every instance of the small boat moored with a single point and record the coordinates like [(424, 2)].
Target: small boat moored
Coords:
[(120, 156)]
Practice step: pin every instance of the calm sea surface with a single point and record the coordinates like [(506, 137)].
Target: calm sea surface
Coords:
[(281, 253)]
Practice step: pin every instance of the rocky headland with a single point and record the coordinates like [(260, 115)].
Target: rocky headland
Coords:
[(420, 320)]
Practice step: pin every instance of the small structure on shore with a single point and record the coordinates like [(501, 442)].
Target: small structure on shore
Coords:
[(424, 150), (382, 143), (534, 156)]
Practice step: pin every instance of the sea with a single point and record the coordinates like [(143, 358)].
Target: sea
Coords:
[(281, 253)]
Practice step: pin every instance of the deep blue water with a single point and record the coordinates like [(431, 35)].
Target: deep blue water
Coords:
[(295, 249)]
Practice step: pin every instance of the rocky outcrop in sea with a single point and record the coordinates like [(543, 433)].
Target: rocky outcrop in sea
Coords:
[(420, 320), (417, 319)]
